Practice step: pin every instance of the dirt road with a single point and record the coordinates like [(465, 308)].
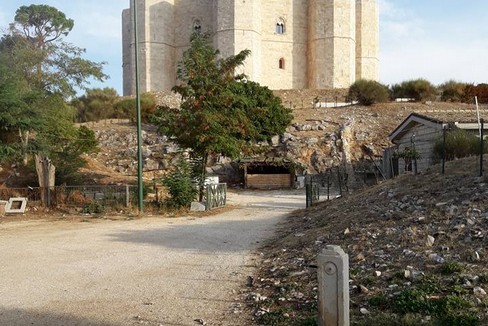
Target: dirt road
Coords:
[(150, 271)]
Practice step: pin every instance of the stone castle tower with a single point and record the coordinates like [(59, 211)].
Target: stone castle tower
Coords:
[(295, 44)]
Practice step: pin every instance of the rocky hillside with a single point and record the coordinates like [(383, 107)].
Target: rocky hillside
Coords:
[(417, 246), (319, 138)]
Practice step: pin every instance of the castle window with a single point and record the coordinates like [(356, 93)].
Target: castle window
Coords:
[(281, 63), (197, 27), (280, 27)]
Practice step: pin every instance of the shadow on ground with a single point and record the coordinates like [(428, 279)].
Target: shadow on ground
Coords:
[(20, 317), (205, 236)]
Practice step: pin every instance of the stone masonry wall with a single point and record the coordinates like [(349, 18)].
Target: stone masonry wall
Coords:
[(321, 45)]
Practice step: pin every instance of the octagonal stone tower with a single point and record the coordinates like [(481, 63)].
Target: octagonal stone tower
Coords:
[(295, 44)]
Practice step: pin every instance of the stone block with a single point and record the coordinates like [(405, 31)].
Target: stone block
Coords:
[(333, 277), (197, 207)]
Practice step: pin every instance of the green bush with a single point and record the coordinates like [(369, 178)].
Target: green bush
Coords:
[(453, 91), (459, 143), (368, 92), (126, 108), (180, 185), (94, 207), (417, 89)]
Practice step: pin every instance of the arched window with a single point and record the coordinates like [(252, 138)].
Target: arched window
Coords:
[(281, 63), (280, 26), (197, 26)]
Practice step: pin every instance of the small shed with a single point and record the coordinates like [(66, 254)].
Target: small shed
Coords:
[(416, 136), (268, 174)]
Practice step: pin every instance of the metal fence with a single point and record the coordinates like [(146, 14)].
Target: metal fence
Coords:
[(110, 197), (215, 196), (75, 196)]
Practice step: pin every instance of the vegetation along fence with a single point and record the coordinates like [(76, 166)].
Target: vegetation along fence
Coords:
[(75, 196), (422, 149)]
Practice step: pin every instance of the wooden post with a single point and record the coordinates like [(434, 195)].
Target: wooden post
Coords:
[(127, 196), (481, 146), (333, 278), (443, 150)]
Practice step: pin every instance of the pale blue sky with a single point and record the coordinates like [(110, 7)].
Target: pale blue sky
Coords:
[(433, 39)]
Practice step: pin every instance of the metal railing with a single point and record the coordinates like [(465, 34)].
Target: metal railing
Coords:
[(215, 196)]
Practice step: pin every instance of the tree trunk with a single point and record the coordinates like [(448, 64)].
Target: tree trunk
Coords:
[(45, 174), (203, 173), (24, 139)]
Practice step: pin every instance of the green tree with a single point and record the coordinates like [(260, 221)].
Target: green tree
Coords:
[(36, 47), (368, 92), (221, 112), (42, 71)]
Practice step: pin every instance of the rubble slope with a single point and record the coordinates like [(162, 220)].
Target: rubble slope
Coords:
[(417, 246)]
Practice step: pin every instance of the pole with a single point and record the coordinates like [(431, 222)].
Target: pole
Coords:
[(140, 196), (481, 147), (443, 150), (478, 114)]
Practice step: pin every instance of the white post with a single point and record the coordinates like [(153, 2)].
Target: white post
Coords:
[(333, 277)]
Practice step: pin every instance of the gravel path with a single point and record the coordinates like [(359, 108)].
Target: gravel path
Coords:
[(150, 271)]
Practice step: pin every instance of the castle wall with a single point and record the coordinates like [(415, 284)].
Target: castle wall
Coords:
[(290, 46), (190, 15), (332, 43), (128, 76), (159, 45), (367, 40), (247, 35), (224, 27), (321, 45)]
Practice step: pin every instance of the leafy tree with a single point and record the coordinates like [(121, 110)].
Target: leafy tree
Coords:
[(368, 92), (95, 104), (36, 47), (221, 112), (41, 72)]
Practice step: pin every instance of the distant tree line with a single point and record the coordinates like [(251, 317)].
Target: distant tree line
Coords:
[(368, 92)]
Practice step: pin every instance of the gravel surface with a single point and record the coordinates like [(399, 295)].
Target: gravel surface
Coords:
[(149, 271)]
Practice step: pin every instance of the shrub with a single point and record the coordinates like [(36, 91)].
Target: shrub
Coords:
[(453, 91), (368, 92), (180, 185), (480, 91), (96, 104), (126, 108), (459, 143), (417, 89), (94, 207)]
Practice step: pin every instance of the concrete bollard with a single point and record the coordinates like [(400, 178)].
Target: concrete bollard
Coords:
[(333, 278)]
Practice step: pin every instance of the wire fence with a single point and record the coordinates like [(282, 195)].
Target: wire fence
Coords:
[(327, 185), (420, 149), (102, 198), (111, 196)]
